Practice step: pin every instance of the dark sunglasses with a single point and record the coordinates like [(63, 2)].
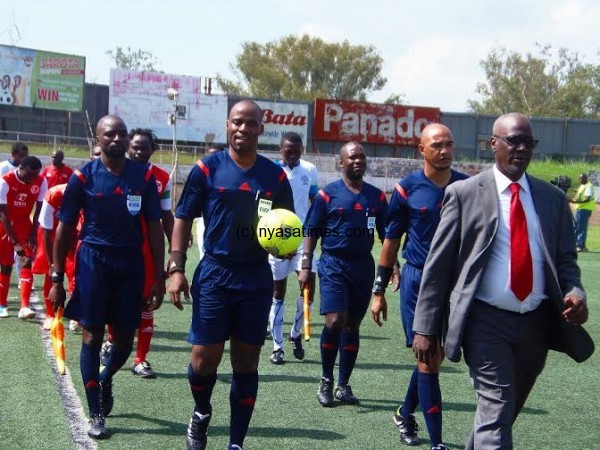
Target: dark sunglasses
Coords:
[(517, 141)]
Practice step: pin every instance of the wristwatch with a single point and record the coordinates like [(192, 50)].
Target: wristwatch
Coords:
[(57, 277)]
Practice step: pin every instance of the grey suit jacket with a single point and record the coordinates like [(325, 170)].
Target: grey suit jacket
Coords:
[(461, 249)]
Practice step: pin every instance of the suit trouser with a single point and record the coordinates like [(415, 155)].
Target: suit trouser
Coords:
[(505, 352)]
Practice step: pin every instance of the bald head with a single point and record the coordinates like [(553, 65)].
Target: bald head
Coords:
[(244, 126), (509, 120), (113, 140), (353, 161), (350, 147), (434, 129), (437, 149), (109, 118), (512, 143), (248, 106)]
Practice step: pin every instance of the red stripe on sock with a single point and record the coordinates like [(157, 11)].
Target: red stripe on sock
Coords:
[(91, 384), (435, 409), (351, 348), (248, 401), (327, 346), (197, 388)]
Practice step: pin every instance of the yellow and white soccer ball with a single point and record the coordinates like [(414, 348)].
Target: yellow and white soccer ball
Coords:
[(279, 232)]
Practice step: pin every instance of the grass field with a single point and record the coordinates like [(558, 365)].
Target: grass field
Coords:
[(152, 414)]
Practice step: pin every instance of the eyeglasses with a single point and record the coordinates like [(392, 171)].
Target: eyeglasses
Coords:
[(517, 141)]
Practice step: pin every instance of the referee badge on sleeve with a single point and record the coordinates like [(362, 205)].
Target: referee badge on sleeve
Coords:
[(134, 204)]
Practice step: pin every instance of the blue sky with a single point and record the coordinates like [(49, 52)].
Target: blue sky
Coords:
[(431, 49)]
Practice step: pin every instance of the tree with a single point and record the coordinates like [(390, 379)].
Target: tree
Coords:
[(139, 60), (395, 99), (304, 68), (550, 83)]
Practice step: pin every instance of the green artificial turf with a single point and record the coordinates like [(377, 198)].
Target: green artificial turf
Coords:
[(153, 414)]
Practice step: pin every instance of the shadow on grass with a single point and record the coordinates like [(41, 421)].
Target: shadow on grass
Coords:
[(174, 335), (533, 411), (169, 428), (306, 433), (170, 348), (153, 426), (288, 378)]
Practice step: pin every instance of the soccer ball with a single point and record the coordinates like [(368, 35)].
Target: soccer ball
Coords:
[(279, 232)]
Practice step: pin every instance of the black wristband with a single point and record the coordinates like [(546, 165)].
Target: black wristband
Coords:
[(382, 279), (307, 259), (177, 261), (57, 277)]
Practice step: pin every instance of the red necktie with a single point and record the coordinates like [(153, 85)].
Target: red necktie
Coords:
[(521, 267)]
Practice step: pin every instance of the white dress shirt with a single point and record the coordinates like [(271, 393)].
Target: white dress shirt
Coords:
[(495, 285)]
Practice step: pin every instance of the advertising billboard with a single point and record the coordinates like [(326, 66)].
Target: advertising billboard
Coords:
[(279, 118), (140, 98), (41, 79), (373, 123)]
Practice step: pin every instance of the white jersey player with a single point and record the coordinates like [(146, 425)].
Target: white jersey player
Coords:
[(302, 176)]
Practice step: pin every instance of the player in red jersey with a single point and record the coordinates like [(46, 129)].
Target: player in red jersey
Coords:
[(143, 143), (20, 191), (57, 172), (42, 263)]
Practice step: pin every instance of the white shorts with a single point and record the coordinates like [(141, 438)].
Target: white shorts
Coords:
[(282, 268)]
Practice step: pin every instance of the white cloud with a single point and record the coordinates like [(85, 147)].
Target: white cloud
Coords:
[(575, 18), (439, 71)]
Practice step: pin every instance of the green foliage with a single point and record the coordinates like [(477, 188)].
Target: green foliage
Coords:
[(130, 59), (551, 83), (305, 68), (395, 99)]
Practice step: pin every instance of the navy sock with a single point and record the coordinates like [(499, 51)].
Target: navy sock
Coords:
[(89, 361), (412, 395), (349, 345), (430, 399), (202, 388), (244, 387), (118, 357), (330, 343)]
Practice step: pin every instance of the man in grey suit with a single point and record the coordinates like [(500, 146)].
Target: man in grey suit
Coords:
[(502, 281)]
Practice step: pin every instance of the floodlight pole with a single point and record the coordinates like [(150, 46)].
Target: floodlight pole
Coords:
[(175, 153)]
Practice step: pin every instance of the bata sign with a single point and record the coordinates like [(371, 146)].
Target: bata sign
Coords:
[(279, 118), (337, 120)]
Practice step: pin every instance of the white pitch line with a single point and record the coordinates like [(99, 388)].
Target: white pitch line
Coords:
[(78, 422)]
